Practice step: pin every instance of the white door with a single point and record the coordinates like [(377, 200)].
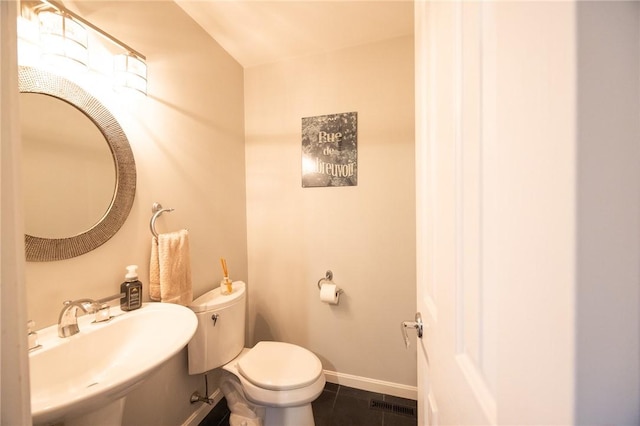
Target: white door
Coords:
[(455, 359)]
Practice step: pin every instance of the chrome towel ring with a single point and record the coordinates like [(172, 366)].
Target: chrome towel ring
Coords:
[(157, 211)]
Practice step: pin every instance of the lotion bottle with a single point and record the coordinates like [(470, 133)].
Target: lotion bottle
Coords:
[(131, 289)]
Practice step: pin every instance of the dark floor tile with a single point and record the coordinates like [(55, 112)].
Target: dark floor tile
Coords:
[(396, 420), (322, 419), (326, 399), (218, 415), (225, 420), (354, 411), (323, 407), (358, 393), (331, 387)]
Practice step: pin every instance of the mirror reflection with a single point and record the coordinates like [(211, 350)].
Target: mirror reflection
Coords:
[(68, 168)]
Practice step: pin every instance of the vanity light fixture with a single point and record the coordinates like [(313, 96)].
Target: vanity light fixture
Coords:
[(130, 72), (62, 38), (130, 68)]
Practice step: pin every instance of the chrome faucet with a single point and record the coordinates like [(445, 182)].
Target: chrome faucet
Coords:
[(68, 320)]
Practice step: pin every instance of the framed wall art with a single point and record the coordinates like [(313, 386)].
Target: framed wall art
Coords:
[(330, 150)]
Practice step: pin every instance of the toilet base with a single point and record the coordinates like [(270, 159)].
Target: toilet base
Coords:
[(289, 416), (245, 412)]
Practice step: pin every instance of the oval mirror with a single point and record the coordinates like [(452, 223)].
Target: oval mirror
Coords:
[(79, 171)]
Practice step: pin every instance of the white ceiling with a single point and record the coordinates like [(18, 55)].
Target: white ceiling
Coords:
[(256, 32)]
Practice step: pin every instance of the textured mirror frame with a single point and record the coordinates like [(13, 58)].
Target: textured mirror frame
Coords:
[(32, 80)]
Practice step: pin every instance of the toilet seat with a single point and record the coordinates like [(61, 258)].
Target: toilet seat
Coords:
[(279, 366), (280, 398), (300, 391)]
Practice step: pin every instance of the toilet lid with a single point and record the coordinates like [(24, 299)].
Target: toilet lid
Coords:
[(280, 366)]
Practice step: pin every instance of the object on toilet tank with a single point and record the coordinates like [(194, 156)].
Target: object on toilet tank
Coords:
[(226, 286)]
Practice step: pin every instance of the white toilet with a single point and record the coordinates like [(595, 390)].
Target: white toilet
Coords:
[(271, 384)]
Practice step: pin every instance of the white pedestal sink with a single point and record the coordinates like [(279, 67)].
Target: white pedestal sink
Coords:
[(84, 379)]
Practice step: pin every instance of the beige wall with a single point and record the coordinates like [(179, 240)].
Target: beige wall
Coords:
[(188, 142), (365, 234)]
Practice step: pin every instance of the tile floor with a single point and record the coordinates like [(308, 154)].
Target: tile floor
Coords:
[(344, 406)]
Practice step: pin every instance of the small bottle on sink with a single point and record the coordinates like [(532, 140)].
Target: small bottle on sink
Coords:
[(131, 289)]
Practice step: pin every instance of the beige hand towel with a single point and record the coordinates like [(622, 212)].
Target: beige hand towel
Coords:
[(170, 268), (154, 271)]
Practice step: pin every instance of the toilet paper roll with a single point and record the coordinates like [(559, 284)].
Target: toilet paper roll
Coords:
[(329, 294)]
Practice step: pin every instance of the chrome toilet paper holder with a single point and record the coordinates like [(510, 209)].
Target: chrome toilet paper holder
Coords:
[(328, 278)]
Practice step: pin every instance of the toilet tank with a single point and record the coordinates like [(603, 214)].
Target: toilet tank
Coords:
[(219, 336)]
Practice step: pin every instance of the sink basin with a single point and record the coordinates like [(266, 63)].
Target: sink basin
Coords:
[(74, 376)]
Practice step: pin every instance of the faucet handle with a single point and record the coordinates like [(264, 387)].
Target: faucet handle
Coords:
[(103, 313), (90, 306), (32, 336)]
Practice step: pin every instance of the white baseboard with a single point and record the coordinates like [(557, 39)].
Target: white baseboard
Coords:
[(372, 385), (199, 415)]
